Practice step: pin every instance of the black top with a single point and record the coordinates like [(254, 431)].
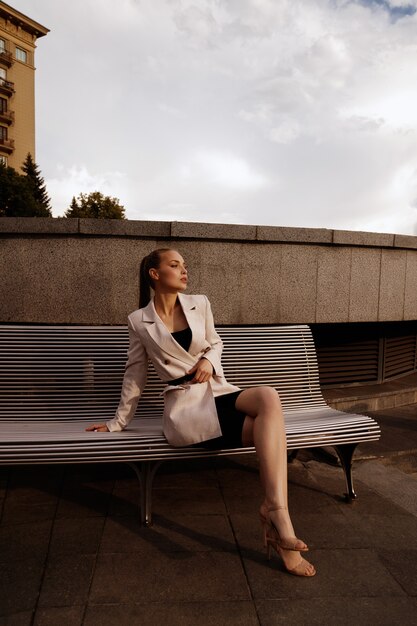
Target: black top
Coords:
[(183, 337)]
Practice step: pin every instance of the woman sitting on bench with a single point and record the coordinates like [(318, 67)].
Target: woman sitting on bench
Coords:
[(201, 408)]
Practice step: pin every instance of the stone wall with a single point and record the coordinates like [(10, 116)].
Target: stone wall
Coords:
[(58, 270)]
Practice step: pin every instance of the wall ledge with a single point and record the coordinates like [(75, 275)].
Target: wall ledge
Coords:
[(201, 230)]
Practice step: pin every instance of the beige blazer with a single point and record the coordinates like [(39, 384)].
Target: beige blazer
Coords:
[(149, 339)]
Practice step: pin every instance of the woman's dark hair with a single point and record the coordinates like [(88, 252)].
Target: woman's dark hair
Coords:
[(153, 259)]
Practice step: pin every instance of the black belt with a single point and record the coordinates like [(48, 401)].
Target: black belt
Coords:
[(179, 381)]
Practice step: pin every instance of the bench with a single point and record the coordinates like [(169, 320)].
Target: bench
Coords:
[(56, 380)]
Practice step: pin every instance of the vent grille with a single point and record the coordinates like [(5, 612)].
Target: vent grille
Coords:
[(357, 362), (354, 354), (400, 355)]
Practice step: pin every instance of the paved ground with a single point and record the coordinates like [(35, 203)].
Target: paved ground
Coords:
[(72, 550)]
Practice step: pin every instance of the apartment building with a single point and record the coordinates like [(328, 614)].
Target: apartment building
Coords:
[(18, 36)]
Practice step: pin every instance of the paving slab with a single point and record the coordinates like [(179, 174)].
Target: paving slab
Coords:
[(197, 533), (125, 499), (72, 550), (202, 501), (402, 566), (186, 474), (344, 573), (384, 611), (32, 494), (24, 541), (67, 580), (332, 530), (20, 583), (199, 613), (175, 576), (75, 536), (84, 500), (23, 618), (63, 615), (391, 483)]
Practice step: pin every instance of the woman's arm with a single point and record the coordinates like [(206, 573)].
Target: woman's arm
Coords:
[(215, 351), (210, 363), (134, 381)]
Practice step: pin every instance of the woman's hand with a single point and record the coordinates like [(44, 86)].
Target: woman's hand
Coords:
[(203, 371), (98, 428)]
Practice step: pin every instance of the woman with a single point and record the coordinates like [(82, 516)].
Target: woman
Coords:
[(176, 332)]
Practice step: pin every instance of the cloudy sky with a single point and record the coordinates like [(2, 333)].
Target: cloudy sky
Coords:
[(281, 112)]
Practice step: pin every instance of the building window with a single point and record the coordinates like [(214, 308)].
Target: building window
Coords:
[(2, 45), (3, 160), (3, 105), (3, 133), (21, 55), (3, 74)]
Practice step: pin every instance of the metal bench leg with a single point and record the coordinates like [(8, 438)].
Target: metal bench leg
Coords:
[(345, 454), (145, 471)]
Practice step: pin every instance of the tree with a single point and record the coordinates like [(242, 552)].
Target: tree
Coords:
[(16, 197), (37, 183), (97, 205)]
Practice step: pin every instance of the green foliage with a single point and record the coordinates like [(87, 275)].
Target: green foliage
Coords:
[(38, 186), (96, 205), (23, 195), (16, 197)]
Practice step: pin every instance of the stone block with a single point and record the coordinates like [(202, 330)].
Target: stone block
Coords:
[(218, 278), (296, 235), (333, 284), (364, 284), (410, 294), (256, 275), (72, 280), (121, 228), (405, 241), (41, 225), (298, 284), (361, 238), (241, 281), (200, 230), (392, 285)]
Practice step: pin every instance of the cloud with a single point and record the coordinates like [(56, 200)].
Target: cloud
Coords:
[(225, 170), (253, 111), (72, 181)]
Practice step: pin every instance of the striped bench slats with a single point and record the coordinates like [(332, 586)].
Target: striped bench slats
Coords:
[(56, 380)]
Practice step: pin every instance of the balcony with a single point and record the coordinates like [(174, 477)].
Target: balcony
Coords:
[(6, 145), (6, 87), (7, 117), (6, 57)]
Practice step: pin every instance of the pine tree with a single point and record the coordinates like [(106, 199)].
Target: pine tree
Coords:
[(16, 197), (37, 184)]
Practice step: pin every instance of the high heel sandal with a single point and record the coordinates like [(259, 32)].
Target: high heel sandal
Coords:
[(277, 544), (289, 543)]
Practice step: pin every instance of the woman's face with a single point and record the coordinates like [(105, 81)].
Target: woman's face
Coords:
[(171, 275)]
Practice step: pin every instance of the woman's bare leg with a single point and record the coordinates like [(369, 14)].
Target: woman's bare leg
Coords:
[(264, 428)]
